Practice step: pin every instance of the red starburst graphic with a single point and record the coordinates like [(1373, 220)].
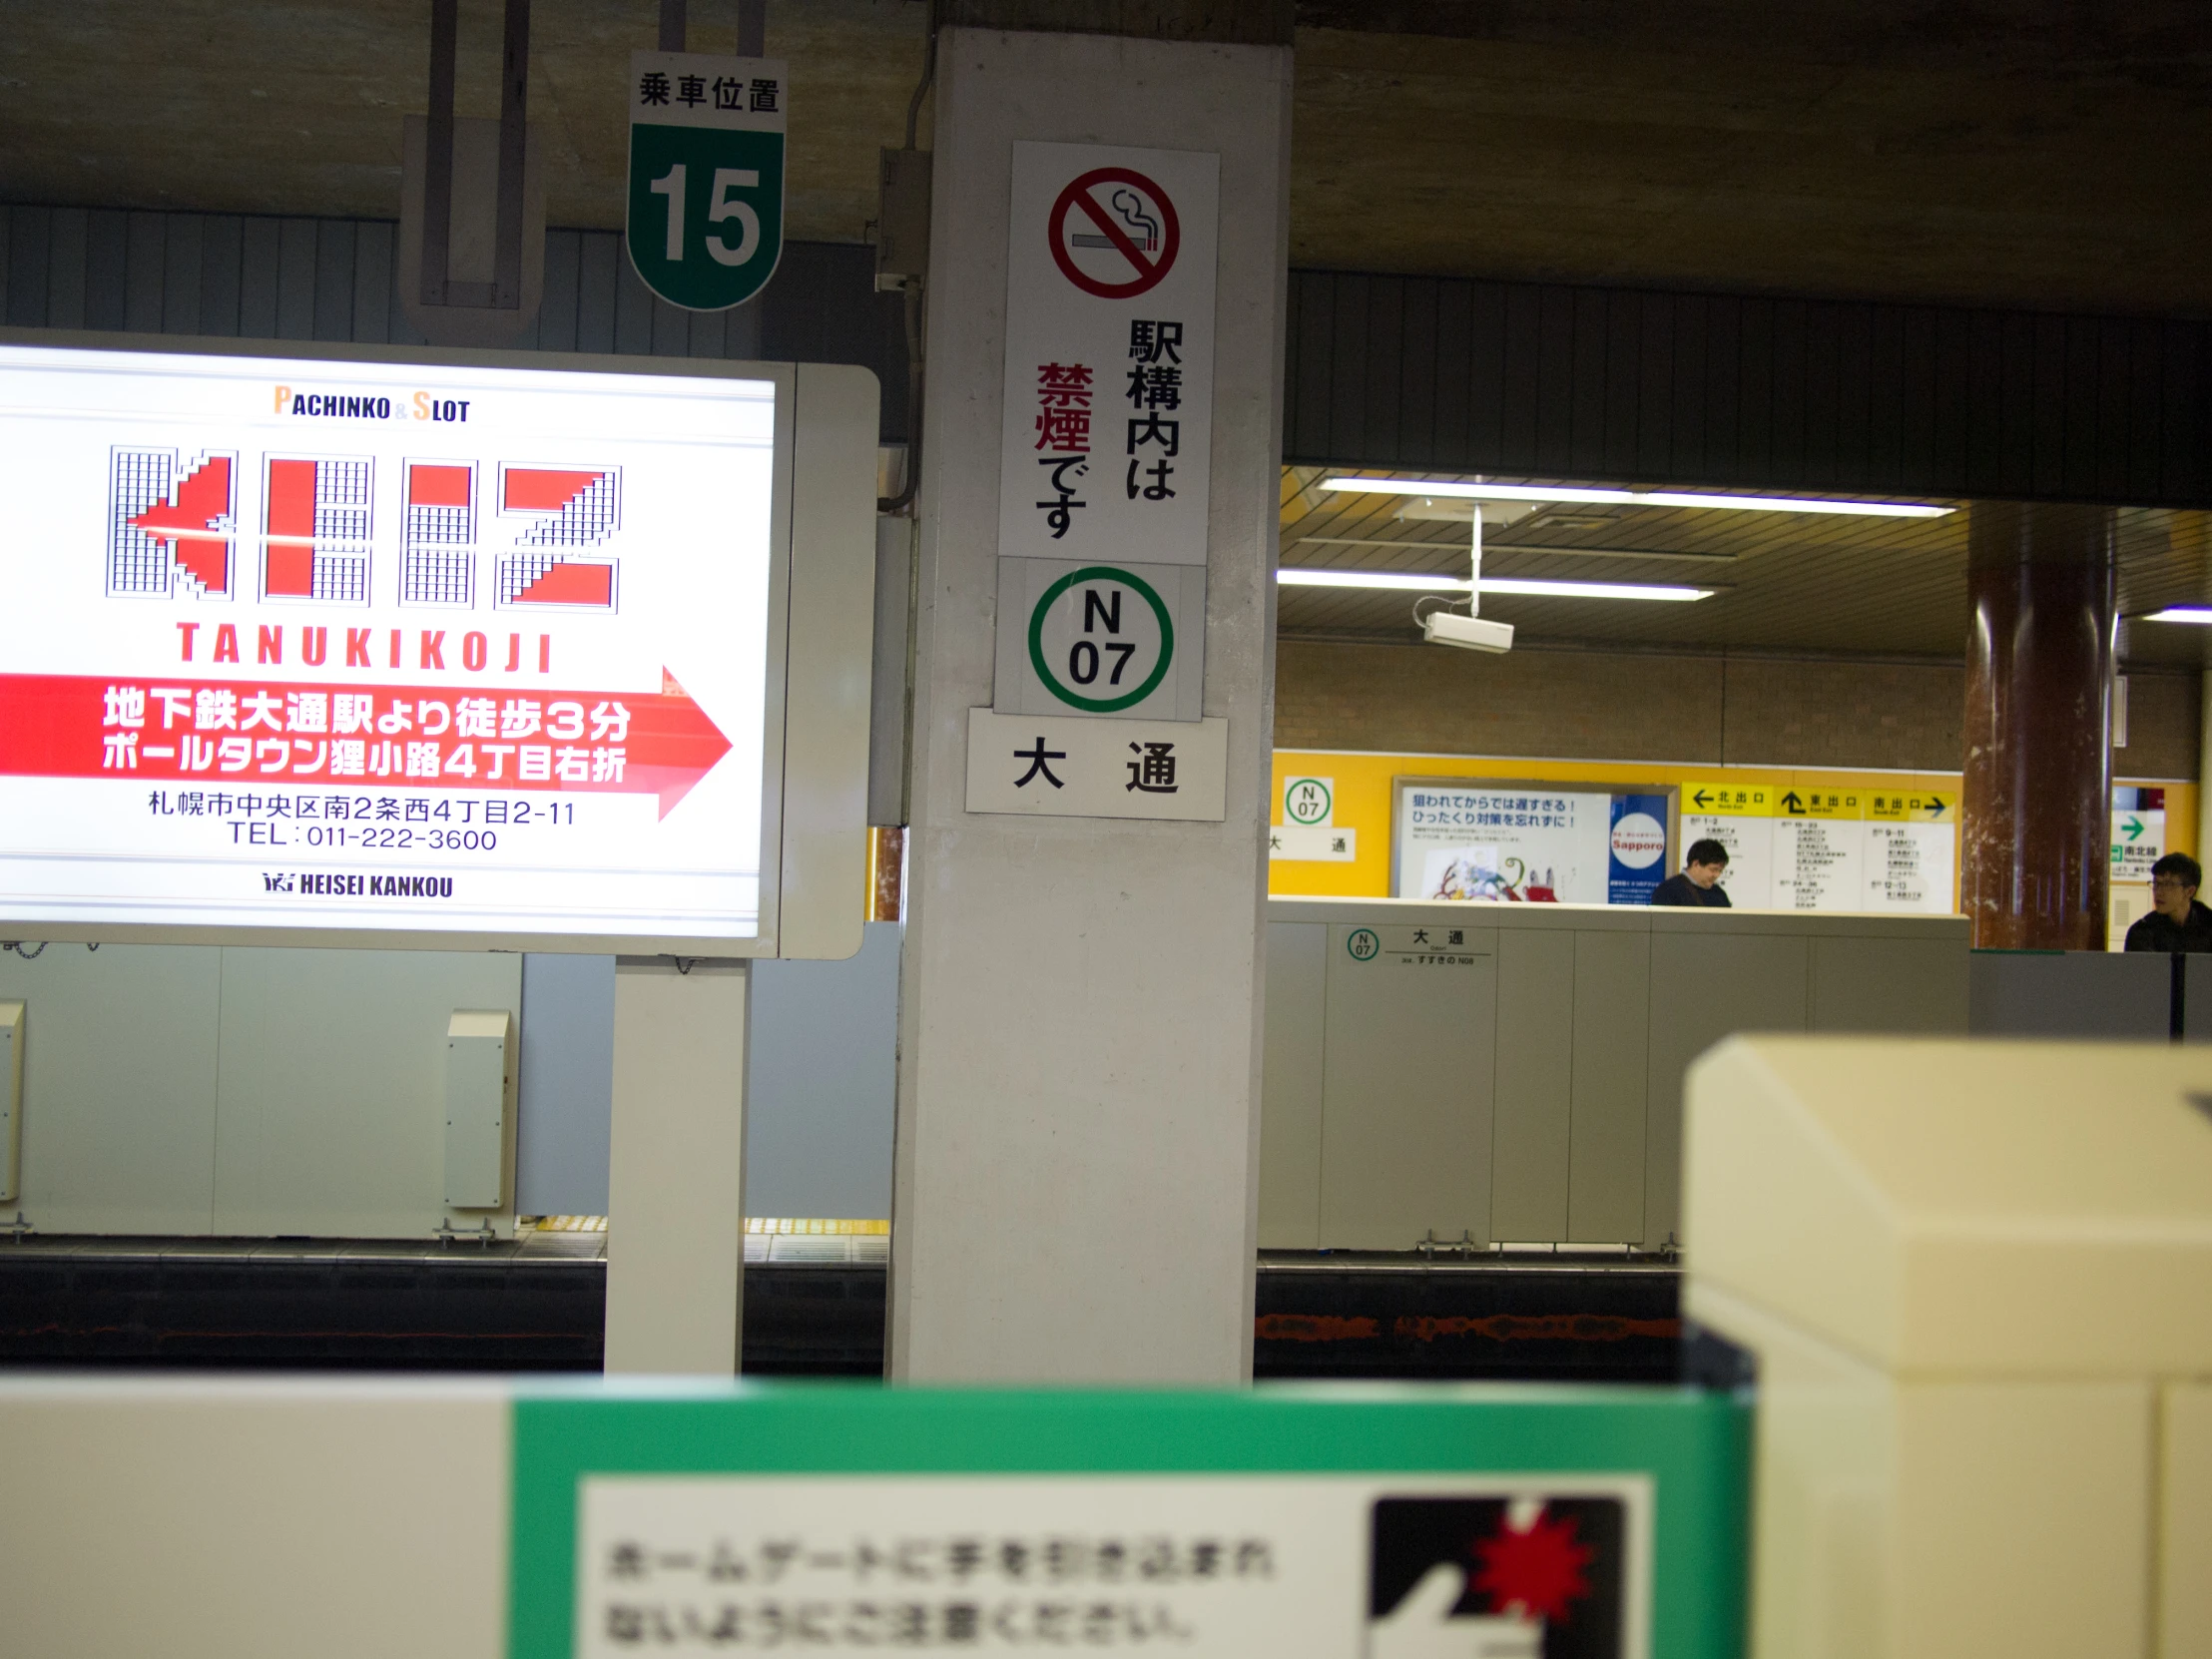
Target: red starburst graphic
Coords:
[(1538, 1570)]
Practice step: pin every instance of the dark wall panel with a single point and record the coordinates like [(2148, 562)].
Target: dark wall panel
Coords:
[(1648, 391), (1431, 374), (107, 240), (337, 279), (1763, 393)]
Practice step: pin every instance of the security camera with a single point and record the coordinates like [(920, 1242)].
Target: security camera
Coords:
[(1469, 632)]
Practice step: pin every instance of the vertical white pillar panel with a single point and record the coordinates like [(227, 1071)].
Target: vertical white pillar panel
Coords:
[(479, 1086), (675, 1175), (1078, 1122)]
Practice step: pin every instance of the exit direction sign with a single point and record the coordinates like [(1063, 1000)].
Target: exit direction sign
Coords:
[(1125, 641), (706, 205)]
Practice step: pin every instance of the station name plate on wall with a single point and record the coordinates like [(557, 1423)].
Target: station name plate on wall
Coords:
[(1054, 766)]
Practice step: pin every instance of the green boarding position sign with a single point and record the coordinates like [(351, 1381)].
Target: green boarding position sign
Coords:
[(706, 216)]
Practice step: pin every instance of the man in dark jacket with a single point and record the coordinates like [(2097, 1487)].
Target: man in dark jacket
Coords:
[(1699, 882), (2176, 920)]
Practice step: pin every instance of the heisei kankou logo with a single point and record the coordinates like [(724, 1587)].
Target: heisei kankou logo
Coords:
[(329, 884)]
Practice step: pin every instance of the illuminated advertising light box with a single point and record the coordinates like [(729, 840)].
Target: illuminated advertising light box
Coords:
[(432, 648)]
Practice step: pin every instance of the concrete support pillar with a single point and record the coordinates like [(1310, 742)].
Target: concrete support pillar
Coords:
[(2036, 809), (676, 1171), (1078, 1116)]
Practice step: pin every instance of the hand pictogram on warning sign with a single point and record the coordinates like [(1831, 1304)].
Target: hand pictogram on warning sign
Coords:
[(1114, 233)]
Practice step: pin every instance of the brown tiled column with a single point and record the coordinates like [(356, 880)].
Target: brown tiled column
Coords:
[(2036, 809)]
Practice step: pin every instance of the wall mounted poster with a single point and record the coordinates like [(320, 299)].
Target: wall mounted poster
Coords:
[(383, 646), (1636, 849), (1528, 842)]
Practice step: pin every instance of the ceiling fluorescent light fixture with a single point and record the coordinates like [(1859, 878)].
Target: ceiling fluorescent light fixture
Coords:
[(1408, 581), (1591, 589), (1411, 582), (1637, 498), (2199, 614)]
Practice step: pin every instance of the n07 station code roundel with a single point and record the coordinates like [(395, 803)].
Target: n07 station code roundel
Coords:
[(1101, 639)]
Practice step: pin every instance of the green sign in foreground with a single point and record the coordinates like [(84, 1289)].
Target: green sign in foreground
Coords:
[(704, 225), (1330, 1521)]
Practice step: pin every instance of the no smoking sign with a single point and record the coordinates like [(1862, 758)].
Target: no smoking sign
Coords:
[(1114, 233), (1107, 438), (1122, 640)]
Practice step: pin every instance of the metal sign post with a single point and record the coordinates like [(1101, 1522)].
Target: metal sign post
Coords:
[(472, 200)]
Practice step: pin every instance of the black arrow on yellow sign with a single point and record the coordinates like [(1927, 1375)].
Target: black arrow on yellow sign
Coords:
[(1701, 797), (1791, 803), (1935, 806)]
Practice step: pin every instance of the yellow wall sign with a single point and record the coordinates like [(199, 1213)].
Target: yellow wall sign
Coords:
[(1751, 805), (1825, 804), (1913, 806), (1729, 797)]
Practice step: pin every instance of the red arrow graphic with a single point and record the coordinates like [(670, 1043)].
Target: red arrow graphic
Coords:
[(301, 734), (202, 500)]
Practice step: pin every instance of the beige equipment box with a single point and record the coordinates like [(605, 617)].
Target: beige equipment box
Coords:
[(1978, 1282), (1513, 1073)]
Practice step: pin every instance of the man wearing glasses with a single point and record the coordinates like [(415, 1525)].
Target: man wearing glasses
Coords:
[(1699, 882), (2176, 920)]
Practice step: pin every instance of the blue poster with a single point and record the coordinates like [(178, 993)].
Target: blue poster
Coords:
[(1637, 861)]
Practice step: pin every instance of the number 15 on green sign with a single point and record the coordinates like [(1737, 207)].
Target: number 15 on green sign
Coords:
[(719, 206), (706, 207)]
